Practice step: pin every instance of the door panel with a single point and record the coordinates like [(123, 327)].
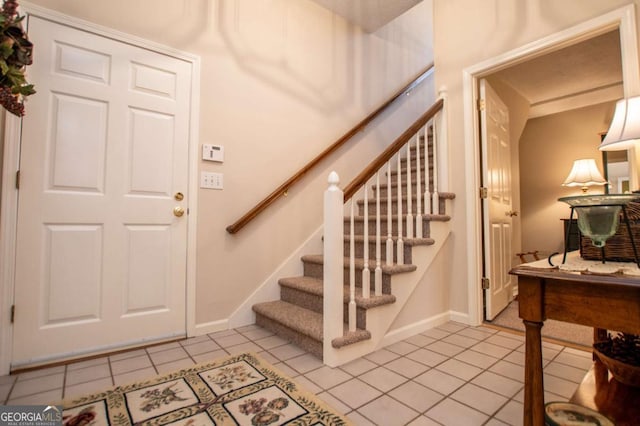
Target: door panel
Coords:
[(72, 263), (147, 288), (104, 148), (77, 147), (498, 204)]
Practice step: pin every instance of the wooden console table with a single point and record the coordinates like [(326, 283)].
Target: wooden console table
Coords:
[(602, 302)]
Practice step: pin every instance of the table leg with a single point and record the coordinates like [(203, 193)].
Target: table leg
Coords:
[(533, 382), (599, 335)]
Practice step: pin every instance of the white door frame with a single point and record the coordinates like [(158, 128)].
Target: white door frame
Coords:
[(11, 161), (623, 19)]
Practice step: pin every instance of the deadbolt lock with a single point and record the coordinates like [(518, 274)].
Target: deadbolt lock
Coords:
[(179, 196)]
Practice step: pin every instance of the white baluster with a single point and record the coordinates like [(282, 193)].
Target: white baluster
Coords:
[(445, 179), (333, 269), (427, 180), (378, 274), (409, 193), (418, 189), (366, 273), (435, 199), (400, 244), (352, 276), (389, 217)]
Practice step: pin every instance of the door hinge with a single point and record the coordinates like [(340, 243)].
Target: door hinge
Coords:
[(18, 179), (13, 313), (484, 192), (485, 283), (482, 105)]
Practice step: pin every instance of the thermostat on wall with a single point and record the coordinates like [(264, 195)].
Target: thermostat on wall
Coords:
[(213, 153)]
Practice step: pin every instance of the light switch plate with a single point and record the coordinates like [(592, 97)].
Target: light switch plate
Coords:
[(211, 180), (213, 153)]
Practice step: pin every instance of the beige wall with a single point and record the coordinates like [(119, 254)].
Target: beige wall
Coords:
[(467, 32), (548, 147), (281, 80)]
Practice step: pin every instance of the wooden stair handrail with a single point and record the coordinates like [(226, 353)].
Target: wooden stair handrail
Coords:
[(373, 167), (282, 189)]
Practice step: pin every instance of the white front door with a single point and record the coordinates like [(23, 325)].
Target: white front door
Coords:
[(100, 256), (497, 207)]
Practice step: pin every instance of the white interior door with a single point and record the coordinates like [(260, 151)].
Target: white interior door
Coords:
[(497, 207), (100, 256)]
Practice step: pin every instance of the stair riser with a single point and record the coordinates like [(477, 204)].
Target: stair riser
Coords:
[(415, 174), (305, 342), (359, 227), (384, 192), (315, 302), (403, 174), (403, 169), (442, 206), (359, 251), (315, 270), (394, 206), (414, 160)]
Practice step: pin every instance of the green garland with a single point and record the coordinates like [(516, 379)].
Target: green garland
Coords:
[(15, 54)]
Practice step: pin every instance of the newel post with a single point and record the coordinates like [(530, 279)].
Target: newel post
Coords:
[(333, 263)]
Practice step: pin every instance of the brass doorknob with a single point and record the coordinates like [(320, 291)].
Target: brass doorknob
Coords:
[(178, 211), (511, 213)]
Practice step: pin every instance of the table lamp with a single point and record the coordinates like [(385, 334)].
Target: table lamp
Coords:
[(624, 130), (584, 174)]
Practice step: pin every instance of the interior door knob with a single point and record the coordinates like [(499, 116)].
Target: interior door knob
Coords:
[(178, 211), (511, 213)]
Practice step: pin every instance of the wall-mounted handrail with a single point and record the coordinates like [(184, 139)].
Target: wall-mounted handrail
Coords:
[(388, 153), (283, 188)]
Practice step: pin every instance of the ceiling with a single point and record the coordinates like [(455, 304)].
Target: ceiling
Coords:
[(369, 14), (583, 74)]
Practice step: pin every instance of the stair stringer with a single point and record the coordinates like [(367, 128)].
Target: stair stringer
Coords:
[(380, 319)]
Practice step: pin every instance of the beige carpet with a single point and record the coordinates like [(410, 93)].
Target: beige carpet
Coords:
[(557, 330), (236, 390)]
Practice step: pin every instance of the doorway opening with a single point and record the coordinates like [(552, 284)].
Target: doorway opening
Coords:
[(619, 23)]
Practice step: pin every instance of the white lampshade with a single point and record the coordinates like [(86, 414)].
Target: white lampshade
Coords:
[(624, 130), (584, 174)]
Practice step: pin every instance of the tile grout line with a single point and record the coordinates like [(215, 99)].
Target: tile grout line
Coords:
[(113, 380), (64, 380)]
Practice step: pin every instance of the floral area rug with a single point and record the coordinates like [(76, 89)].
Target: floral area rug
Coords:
[(237, 390)]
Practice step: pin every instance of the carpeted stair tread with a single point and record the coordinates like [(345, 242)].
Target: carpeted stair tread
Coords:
[(304, 321), (383, 185), (406, 241), (350, 337), (303, 283), (447, 195), (315, 286), (432, 217), (359, 264), (296, 318)]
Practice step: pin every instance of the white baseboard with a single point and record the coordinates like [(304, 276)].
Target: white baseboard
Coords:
[(211, 327), (407, 331), (461, 317)]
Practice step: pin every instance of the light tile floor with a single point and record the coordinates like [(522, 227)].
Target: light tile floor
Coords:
[(450, 375)]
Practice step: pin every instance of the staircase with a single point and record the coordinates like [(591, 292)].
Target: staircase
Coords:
[(298, 315)]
